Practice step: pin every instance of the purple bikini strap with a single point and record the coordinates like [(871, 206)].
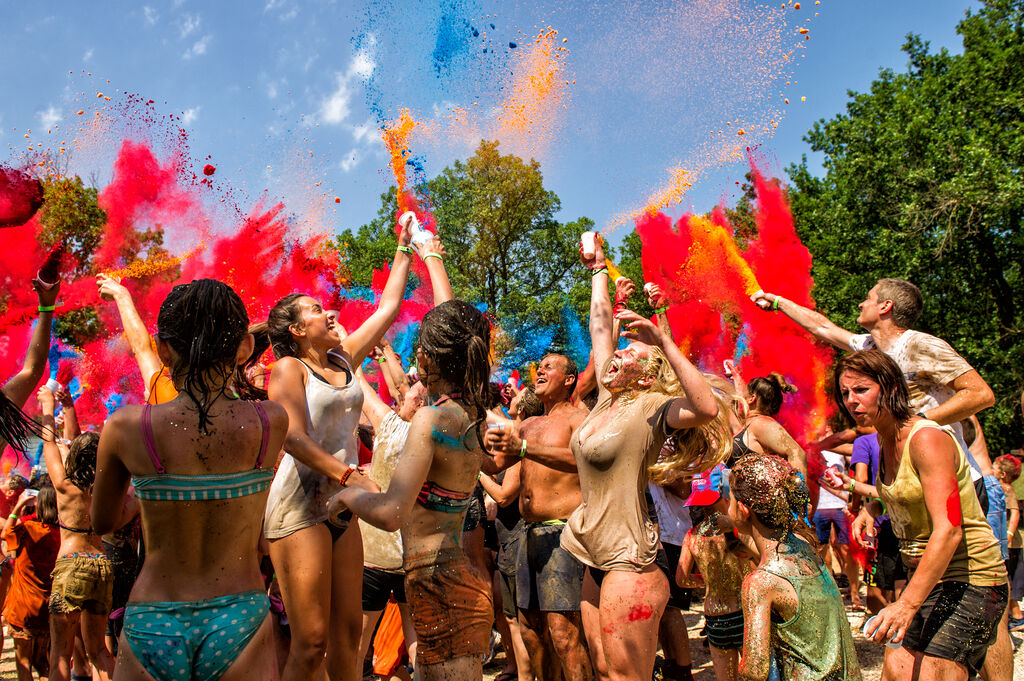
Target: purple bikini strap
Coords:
[(147, 440), (265, 434)]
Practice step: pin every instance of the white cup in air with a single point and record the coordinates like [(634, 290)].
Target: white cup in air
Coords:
[(53, 386), (419, 235), (589, 240)]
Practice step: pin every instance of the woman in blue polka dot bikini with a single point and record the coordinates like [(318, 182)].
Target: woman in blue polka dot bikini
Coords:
[(198, 610)]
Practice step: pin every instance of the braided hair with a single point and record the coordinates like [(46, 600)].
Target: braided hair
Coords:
[(16, 427), (204, 321), (775, 492), (457, 338)]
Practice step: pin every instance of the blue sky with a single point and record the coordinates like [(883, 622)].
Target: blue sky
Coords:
[(282, 95)]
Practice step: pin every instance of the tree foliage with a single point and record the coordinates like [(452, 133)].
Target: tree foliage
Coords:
[(923, 180), (71, 213)]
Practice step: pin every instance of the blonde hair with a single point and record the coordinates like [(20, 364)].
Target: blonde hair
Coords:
[(692, 450)]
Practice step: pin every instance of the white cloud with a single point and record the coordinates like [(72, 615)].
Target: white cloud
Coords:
[(49, 118), (189, 116), (288, 10), (350, 161), (365, 132), (88, 54), (150, 15), (189, 25), (198, 47), (334, 109)]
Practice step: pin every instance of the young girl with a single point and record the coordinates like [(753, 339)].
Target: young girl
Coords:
[(723, 563), (792, 608)]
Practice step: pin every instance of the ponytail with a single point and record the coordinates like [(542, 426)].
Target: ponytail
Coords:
[(769, 391)]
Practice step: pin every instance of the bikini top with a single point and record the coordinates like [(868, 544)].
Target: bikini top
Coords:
[(739, 447), (165, 487), (436, 498)]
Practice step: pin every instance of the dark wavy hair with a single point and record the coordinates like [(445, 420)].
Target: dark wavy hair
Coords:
[(204, 321), (894, 394), (457, 338), (80, 466)]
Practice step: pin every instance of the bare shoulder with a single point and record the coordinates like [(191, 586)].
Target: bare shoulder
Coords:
[(125, 417), (931, 444)]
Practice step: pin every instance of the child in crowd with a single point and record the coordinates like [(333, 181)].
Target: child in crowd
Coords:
[(792, 609), (723, 562), (1008, 470)]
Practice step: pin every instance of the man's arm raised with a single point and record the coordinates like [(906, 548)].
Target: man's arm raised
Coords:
[(813, 322)]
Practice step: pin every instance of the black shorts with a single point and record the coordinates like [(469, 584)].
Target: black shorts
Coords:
[(668, 561), (475, 513), (886, 570), (958, 622), (548, 578), (507, 584), (378, 585), (725, 632)]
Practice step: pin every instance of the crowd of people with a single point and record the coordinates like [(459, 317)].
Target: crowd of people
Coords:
[(297, 522)]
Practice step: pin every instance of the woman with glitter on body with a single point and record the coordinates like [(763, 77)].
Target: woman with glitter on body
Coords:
[(948, 614), (647, 392), (792, 609)]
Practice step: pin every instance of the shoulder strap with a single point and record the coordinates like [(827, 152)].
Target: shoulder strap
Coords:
[(147, 439), (264, 433)]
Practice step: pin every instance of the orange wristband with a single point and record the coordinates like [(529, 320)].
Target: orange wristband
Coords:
[(345, 476)]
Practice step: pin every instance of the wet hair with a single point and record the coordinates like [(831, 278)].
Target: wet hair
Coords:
[(457, 339), (530, 405), (774, 492), (1009, 466), (768, 391), (204, 321), (569, 367), (907, 301), (80, 465), (894, 395), (16, 427), (276, 333), (46, 505), (694, 449)]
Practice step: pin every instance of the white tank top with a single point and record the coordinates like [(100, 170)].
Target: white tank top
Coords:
[(298, 496)]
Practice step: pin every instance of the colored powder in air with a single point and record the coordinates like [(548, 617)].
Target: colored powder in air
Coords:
[(538, 91), (209, 170), (707, 280), (396, 139), (20, 197), (453, 38)]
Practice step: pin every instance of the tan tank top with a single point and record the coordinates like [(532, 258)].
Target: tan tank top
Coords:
[(977, 559)]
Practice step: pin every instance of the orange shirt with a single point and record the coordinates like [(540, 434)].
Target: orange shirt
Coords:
[(37, 546), (161, 388)]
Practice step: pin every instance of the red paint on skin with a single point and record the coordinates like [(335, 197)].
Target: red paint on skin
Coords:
[(640, 612), (953, 510)]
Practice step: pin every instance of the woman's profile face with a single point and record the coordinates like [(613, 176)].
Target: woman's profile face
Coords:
[(861, 397), (318, 324)]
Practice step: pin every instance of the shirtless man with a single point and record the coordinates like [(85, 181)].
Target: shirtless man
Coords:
[(549, 580)]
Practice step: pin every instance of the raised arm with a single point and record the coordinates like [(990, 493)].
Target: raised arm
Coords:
[(657, 299), (600, 308), (20, 387), (390, 510), (358, 343), (71, 427), (815, 323), (394, 374), (135, 330), (972, 394), (112, 477), (54, 462), (432, 253), (699, 405)]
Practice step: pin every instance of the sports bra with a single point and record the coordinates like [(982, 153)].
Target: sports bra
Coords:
[(739, 447), (436, 498), (164, 487)]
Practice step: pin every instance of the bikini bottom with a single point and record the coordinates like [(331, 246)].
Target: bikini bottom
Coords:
[(193, 640)]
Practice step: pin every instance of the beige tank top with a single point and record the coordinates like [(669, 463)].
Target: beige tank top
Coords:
[(977, 559)]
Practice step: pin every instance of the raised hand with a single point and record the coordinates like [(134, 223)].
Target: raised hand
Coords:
[(655, 296), (637, 328), (624, 288), (764, 300), (431, 246), (110, 287), (597, 260)]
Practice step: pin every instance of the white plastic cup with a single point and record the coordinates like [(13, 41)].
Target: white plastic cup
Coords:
[(419, 235), (589, 240), (647, 288), (867, 623), (53, 386)]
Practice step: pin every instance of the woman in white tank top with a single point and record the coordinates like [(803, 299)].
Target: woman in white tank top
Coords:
[(319, 566)]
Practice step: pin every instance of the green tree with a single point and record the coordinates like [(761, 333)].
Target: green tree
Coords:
[(505, 248), (71, 213), (923, 180)]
